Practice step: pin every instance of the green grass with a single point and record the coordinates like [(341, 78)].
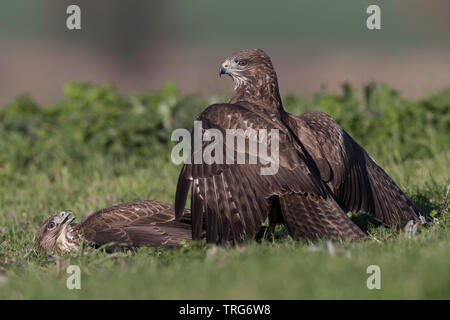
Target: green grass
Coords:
[(95, 148)]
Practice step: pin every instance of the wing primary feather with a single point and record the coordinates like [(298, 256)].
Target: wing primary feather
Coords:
[(211, 213), (228, 227), (182, 191), (196, 211)]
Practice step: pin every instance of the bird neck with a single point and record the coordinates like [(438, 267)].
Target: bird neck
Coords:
[(261, 90), (70, 238)]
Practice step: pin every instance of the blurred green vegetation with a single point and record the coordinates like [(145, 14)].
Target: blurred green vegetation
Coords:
[(89, 122), (95, 121)]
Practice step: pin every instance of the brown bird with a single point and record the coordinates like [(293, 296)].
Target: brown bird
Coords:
[(131, 224), (322, 174)]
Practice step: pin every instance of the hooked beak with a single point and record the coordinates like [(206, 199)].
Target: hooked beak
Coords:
[(67, 216), (224, 68)]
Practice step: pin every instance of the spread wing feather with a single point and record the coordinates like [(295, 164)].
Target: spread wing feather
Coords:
[(356, 180), (232, 200)]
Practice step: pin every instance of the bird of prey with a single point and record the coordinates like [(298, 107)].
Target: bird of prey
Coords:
[(131, 224), (323, 172)]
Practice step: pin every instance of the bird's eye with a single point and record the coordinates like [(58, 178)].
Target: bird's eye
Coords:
[(243, 63), (51, 225)]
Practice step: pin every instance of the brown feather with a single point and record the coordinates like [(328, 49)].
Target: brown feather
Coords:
[(322, 171), (358, 183), (131, 224), (311, 217), (236, 207)]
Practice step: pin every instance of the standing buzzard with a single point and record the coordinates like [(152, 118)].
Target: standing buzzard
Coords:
[(322, 171), (131, 224)]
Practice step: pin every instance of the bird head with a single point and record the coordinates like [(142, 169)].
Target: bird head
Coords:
[(247, 66), (53, 233), (254, 78)]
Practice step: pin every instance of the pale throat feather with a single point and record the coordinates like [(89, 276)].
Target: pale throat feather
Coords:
[(261, 89), (67, 240)]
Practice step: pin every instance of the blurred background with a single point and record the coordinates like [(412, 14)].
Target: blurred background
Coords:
[(139, 45)]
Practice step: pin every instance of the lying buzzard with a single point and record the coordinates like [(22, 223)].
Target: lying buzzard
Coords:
[(131, 224), (322, 171)]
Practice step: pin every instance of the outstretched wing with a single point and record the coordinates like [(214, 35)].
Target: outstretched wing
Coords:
[(137, 223), (357, 182), (232, 200)]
